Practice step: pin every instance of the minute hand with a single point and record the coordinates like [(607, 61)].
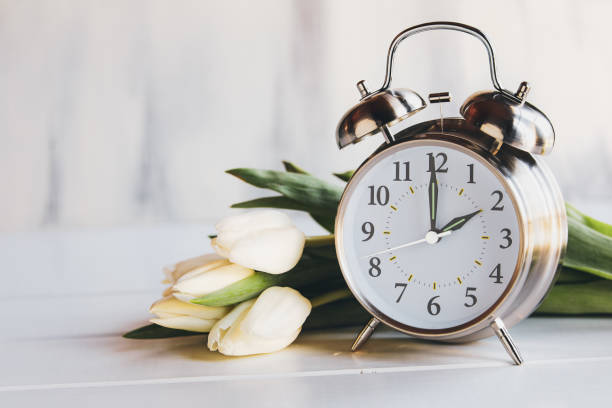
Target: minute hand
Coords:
[(459, 222), (433, 194)]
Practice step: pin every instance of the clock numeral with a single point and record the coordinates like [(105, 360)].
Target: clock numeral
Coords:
[(507, 238), (403, 286), (500, 197), (368, 229), (496, 274), (374, 270), (441, 168), (471, 297), (398, 171), (471, 180), (432, 307), (380, 195)]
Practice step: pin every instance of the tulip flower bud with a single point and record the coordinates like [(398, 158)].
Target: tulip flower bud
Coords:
[(266, 241), (172, 273), (278, 312), (209, 278), (267, 324), (174, 314)]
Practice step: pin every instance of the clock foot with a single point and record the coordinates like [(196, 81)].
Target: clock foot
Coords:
[(365, 334), (502, 334)]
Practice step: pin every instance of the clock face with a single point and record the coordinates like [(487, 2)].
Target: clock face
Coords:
[(429, 236)]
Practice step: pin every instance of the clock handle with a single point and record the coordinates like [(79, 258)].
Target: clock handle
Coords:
[(502, 334), (443, 25)]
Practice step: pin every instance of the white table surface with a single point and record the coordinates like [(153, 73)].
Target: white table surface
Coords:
[(67, 296)]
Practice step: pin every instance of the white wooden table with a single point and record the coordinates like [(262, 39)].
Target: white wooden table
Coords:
[(67, 296)]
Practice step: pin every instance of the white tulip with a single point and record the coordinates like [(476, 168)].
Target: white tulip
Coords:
[(175, 314), (202, 275), (266, 241), (278, 311), (207, 278), (172, 273), (267, 324)]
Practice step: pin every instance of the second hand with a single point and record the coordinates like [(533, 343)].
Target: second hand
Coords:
[(431, 238)]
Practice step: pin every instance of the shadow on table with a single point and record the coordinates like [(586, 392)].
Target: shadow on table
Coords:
[(391, 345), (385, 346)]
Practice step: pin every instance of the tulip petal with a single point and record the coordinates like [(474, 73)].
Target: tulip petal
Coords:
[(186, 323), (173, 272), (238, 343), (183, 297), (203, 268), (164, 315), (220, 250), (219, 330), (229, 339), (265, 325), (234, 228), (275, 250), (211, 280), (171, 305), (167, 292), (277, 312)]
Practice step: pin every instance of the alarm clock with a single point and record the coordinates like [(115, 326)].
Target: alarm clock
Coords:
[(453, 229)]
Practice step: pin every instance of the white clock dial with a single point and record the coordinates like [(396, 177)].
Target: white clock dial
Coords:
[(431, 250)]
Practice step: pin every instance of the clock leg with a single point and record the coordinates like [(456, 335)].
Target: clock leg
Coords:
[(502, 334), (365, 334)]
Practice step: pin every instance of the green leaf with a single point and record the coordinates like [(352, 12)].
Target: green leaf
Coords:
[(331, 296), (569, 275), (588, 250), (309, 270), (346, 176), (327, 222), (590, 222), (320, 241), (292, 168), (304, 188), (593, 297), (324, 219), (155, 331), (342, 313), (270, 202), (321, 246), (301, 191), (321, 288), (276, 202)]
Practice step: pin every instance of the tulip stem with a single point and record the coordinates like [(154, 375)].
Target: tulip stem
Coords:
[(330, 297), (320, 240)]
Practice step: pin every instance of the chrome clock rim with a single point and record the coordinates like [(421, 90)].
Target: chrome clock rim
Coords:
[(436, 139)]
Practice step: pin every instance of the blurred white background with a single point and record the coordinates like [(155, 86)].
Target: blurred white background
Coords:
[(121, 113)]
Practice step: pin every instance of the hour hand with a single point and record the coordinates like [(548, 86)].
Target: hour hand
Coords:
[(459, 222), (433, 194)]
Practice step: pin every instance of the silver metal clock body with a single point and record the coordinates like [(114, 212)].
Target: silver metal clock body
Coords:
[(540, 216)]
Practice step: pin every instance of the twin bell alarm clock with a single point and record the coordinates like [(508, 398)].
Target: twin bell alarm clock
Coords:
[(453, 229)]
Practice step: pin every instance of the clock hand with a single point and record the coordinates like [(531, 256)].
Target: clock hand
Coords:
[(458, 222), (433, 193), (431, 238)]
